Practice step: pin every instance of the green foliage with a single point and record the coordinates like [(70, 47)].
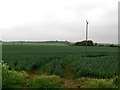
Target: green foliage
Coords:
[(104, 67), (44, 82), (102, 83), (100, 62), (97, 83), (116, 80), (14, 79)]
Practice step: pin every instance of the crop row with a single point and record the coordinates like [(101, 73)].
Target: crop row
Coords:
[(67, 66)]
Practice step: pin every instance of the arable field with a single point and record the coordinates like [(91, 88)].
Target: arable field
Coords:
[(65, 61)]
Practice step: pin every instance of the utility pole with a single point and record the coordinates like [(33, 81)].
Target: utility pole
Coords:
[(86, 34)]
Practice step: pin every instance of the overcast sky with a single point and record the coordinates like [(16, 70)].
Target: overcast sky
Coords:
[(42, 20)]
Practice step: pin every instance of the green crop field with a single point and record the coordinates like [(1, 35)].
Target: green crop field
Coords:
[(63, 60)]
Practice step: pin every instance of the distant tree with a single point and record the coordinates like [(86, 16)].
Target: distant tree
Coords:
[(83, 43), (95, 44), (112, 45)]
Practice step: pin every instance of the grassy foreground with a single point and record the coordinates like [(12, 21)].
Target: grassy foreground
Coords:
[(14, 79)]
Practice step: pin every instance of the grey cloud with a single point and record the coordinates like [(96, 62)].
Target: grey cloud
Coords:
[(72, 29)]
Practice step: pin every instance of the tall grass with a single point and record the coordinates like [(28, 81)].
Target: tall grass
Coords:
[(14, 79)]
